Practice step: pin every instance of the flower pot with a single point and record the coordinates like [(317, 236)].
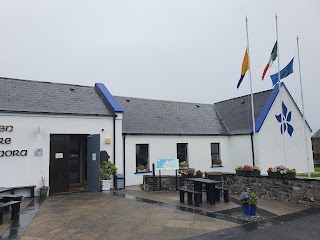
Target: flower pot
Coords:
[(199, 175), (291, 175), (142, 170), (240, 172), (274, 174), (105, 185), (187, 176), (43, 192), (247, 173), (249, 210)]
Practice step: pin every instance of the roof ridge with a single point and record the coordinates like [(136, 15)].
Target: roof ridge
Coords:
[(165, 100), (28, 80), (214, 106), (243, 96)]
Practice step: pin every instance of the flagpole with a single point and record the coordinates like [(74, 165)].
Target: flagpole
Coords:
[(302, 103), (252, 106), (280, 95)]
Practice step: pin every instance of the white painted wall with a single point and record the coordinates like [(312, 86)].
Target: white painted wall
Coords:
[(240, 151), (199, 153), (17, 171), (272, 142)]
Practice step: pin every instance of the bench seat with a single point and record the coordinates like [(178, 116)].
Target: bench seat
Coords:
[(196, 194), (217, 193), (15, 209), (31, 187)]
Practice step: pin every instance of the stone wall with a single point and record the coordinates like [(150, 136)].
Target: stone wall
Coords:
[(302, 191), (316, 151)]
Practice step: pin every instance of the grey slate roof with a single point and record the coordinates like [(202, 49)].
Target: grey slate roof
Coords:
[(147, 116), (236, 113), (317, 134), (51, 98)]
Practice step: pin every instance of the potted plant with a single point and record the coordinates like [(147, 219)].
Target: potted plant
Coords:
[(199, 174), (142, 168), (43, 189), (281, 172), (291, 173), (183, 165), (107, 169), (249, 202), (187, 172), (248, 170), (217, 162)]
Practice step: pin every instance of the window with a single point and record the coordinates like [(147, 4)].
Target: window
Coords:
[(215, 154), (182, 152), (142, 157)]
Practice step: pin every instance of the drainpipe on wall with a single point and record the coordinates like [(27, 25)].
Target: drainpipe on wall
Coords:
[(252, 149), (124, 160), (114, 146)]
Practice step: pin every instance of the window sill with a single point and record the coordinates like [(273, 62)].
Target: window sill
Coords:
[(143, 172), (216, 166)]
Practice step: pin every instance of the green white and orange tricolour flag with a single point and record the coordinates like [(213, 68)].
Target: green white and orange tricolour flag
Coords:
[(272, 58), (244, 68)]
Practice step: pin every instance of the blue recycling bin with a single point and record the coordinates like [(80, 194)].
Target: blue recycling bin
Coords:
[(119, 184)]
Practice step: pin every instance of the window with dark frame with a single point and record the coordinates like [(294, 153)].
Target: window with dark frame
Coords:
[(182, 152), (142, 157), (215, 154)]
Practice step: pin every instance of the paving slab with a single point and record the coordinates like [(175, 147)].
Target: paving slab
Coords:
[(136, 214)]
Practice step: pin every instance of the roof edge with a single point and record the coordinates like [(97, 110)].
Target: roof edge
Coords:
[(109, 98), (266, 108)]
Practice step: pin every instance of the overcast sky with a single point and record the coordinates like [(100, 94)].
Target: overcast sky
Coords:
[(182, 50)]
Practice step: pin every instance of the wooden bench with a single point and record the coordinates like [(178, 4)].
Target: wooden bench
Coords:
[(10, 197), (31, 187), (217, 193), (197, 196), (15, 209)]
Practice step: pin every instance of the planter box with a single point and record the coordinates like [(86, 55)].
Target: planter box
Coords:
[(279, 175), (249, 210), (247, 173)]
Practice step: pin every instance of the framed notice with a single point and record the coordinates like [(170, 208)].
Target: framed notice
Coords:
[(58, 155), (168, 163), (38, 151)]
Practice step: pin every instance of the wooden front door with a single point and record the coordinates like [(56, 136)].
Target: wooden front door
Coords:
[(59, 163)]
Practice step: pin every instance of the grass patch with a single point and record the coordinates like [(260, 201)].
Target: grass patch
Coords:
[(317, 169), (314, 174)]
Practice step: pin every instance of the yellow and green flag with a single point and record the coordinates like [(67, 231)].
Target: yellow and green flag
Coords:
[(245, 67)]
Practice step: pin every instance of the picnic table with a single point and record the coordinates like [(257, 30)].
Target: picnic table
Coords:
[(210, 187)]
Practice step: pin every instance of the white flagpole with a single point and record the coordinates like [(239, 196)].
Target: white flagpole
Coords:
[(302, 103), (252, 106), (280, 95)]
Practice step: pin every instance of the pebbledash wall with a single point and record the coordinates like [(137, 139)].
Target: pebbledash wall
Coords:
[(32, 131), (235, 150), (301, 191), (270, 141)]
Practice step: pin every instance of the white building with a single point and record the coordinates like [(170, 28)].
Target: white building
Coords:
[(202, 133), (58, 130)]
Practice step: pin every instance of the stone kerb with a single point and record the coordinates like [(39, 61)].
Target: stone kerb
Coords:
[(297, 190)]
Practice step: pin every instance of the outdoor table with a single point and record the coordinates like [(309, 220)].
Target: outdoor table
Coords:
[(210, 185)]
